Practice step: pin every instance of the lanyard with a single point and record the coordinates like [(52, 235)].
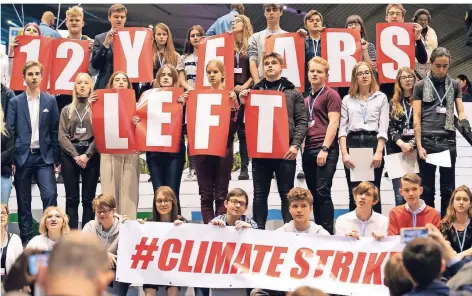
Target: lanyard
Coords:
[(315, 48), (364, 110), (445, 93), (408, 115), (237, 60), (310, 108), (278, 88), (161, 62), (81, 118), (461, 244)]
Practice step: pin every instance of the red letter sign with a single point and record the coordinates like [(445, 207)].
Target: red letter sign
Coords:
[(395, 49), (71, 58), (266, 124), (216, 47), (160, 128), (31, 48), (291, 46), (208, 118), (132, 53), (342, 49), (112, 117)]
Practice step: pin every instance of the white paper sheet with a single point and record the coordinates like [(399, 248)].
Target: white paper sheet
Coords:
[(442, 159), (398, 165), (362, 160)]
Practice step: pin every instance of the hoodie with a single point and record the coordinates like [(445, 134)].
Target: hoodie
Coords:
[(436, 288), (109, 237), (297, 114), (313, 229)]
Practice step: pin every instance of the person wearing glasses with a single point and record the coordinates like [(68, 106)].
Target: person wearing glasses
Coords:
[(400, 129), (364, 124), (106, 226)]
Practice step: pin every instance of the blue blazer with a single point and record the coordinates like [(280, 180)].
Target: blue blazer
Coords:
[(19, 127)]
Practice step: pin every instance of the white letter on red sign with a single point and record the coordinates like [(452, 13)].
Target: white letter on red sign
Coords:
[(156, 117), (132, 51), (393, 52), (204, 120), (336, 55), (265, 124), (285, 46), (112, 123), (210, 54), (64, 80)]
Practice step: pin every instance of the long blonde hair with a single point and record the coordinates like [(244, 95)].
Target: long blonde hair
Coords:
[(65, 221), (450, 217), (170, 55), (241, 47), (3, 128), (354, 88), (397, 108), (75, 100)]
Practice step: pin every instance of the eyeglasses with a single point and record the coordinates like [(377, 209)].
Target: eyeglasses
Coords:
[(409, 77), (236, 201), (163, 201), (365, 73), (103, 212), (236, 21), (392, 13), (195, 35)]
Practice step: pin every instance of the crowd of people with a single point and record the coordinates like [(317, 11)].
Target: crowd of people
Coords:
[(43, 135)]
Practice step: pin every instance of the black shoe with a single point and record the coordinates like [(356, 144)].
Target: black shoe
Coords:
[(244, 174), (301, 175)]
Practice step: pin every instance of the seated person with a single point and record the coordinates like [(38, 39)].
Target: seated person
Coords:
[(363, 221), (236, 203), (396, 279), (415, 213)]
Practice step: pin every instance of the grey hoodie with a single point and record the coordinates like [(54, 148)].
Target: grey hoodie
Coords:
[(109, 237), (313, 229)]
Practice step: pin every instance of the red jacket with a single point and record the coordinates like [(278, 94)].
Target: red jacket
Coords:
[(401, 217)]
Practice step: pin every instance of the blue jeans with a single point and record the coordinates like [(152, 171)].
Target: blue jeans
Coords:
[(46, 181), (6, 189), (399, 200)]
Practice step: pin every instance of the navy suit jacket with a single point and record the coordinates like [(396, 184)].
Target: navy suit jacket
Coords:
[(102, 61), (19, 127)]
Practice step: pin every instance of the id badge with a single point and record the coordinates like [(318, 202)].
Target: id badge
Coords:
[(238, 70), (80, 130), (311, 123), (408, 132), (2, 272), (441, 110)]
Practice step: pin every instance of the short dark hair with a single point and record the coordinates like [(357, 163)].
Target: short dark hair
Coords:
[(239, 8), (117, 8), (420, 12), (238, 192), (396, 279), (412, 178), (440, 52), (30, 64), (274, 55), (422, 259), (271, 5)]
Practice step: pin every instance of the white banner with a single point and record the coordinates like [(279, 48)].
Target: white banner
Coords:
[(214, 257)]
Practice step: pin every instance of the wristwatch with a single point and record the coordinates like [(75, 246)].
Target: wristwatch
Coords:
[(88, 155), (324, 148)]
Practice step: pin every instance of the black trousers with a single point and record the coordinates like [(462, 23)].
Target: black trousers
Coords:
[(447, 176), (243, 145), (71, 173), (363, 140), (319, 181), (262, 172)]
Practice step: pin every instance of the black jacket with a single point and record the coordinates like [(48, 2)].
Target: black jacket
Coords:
[(297, 114), (7, 155), (7, 94)]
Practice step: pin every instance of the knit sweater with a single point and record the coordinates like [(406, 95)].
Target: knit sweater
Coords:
[(401, 217)]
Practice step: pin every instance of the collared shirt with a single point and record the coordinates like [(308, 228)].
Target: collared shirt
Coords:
[(33, 107), (348, 222), (375, 111), (223, 24)]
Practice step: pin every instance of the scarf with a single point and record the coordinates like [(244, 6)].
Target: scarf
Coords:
[(429, 95)]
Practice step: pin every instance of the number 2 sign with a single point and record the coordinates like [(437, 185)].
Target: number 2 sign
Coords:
[(62, 60)]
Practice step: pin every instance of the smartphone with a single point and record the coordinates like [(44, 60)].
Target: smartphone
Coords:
[(38, 259), (410, 233)]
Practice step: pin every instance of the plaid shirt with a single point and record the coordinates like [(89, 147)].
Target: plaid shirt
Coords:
[(242, 218)]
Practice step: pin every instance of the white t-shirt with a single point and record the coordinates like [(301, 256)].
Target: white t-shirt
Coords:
[(188, 64), (348, 222), (41, 242)]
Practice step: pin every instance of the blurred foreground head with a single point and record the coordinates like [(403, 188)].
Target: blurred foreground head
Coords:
[(78, 266)]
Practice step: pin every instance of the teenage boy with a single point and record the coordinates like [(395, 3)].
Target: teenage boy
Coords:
[(415, 213), (264, 168), (363, 221), (236, 204), (321, 152)]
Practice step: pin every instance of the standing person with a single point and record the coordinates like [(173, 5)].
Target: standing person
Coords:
[(364, 124), (415, 212), (30, 29), (164, 209), (10, 243), (33, 121), (224, 23), (264, 168), (187, 68), (456, 226), (363, 222), (429, 38), (466, 87), (400, 130), (47, 22), (321, 146), (256, 50), (53, 225), (242, 30), (8, 150), (79, 153), (119, 173), (166, 168), (102, 54), (433, 117), (214, 172)]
